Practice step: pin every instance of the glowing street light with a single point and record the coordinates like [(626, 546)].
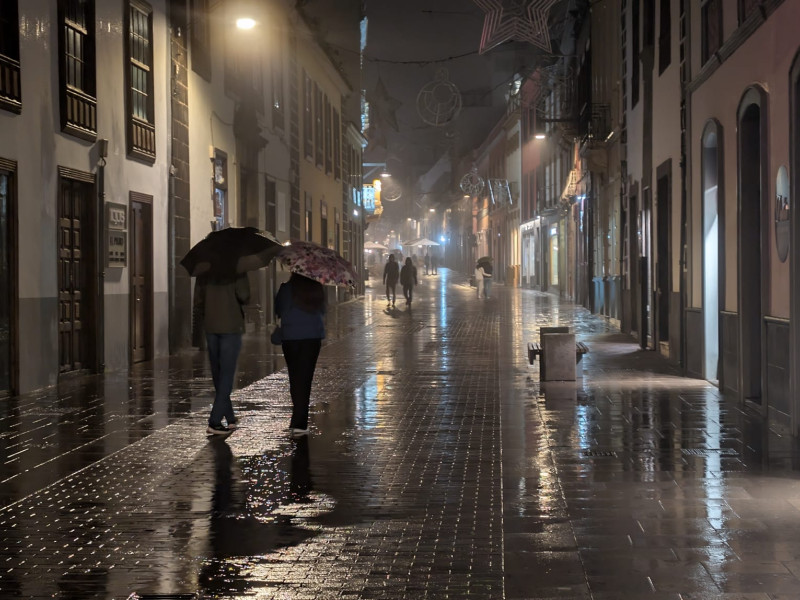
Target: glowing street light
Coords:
[(245, 23)]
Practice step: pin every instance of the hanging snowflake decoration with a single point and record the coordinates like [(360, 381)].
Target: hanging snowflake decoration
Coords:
[(439, 101), (472, 183), (390, 191)]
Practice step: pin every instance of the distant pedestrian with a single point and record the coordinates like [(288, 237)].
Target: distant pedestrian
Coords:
[(223, 321), (391, 273), (487, 279), (408, 279), (300, 305), (427, 263), (479, 279), (434, 263)]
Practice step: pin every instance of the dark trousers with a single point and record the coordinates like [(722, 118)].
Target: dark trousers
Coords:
[(223, 352), (408, 292), (390, 293), (301, 361)]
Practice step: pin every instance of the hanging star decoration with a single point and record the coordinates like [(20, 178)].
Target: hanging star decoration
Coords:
[(521, 20), (382, 114)]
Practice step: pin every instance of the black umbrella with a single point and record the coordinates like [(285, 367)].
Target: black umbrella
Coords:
[(485, 259), (229, 251)]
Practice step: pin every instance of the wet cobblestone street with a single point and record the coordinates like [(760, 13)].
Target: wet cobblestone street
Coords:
[(437, 466)]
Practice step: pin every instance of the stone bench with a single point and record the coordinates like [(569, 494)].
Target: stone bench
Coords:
[(535, 350), (555, 351)]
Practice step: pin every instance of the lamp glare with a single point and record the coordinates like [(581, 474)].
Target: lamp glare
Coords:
[(245, 23)]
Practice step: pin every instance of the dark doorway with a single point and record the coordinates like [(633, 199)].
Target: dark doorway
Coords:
[(141, 277), (662, 259), (76, 275), (751, 268), (8, 278)]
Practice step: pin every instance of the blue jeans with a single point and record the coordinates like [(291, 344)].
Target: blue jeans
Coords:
[(487, 287), (223, 352)]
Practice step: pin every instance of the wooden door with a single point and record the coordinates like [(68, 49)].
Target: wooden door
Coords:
[(141, 278), (8, 278), (75, 275)]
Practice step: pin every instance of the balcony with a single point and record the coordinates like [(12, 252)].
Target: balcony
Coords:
[(10, 87)]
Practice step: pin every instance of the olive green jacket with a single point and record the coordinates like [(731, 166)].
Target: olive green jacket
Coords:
[(224, 304)]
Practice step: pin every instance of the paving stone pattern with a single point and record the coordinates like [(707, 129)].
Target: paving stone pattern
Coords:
[(438, 466)]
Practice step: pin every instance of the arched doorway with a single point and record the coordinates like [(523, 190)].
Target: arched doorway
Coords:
[(713, 248), (752, 144)]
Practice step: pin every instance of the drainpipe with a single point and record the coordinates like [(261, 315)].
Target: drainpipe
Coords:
[(100, 359)]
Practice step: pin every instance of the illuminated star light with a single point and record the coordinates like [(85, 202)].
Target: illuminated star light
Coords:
[(522, 20)]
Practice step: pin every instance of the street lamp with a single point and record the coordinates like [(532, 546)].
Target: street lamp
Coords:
[(245, 23)]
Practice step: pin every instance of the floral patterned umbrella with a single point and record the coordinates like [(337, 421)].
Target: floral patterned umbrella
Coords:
[(318, 263)]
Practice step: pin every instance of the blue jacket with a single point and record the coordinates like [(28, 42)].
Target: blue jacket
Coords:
[(297, 324)]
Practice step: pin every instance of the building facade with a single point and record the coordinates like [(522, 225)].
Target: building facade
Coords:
[(156, 123)]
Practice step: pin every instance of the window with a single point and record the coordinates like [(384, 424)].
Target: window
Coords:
[(635, 49), (10, 88), (200, 38), (141, 125), (220, 198), (711, 14), (77, 69), (337, 151), (664, 36), (319, 131), (747, 8), (308, 116), (309, 220), (277, 87), (328, 135)]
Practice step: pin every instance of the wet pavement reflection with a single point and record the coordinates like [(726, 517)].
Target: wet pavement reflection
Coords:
[(438, 465)]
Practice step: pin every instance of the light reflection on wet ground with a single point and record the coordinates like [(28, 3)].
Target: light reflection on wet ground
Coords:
[(438, 465)]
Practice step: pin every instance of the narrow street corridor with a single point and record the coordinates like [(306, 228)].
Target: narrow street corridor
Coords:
[(437, 466)]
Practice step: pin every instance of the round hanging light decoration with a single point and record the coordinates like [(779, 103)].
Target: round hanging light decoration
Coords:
[(472, 183), (439, 101), (390, 191)]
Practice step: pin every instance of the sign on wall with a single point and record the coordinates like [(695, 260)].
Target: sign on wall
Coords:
[(116, 235)]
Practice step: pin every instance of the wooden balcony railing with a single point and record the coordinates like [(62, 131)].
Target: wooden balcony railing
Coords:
[(10, 87)]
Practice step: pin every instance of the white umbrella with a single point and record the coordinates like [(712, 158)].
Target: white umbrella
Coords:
[(374, 246), (424, 242)]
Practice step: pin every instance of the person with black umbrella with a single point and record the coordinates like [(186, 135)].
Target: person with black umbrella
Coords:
[(223, 321), (220, 262)]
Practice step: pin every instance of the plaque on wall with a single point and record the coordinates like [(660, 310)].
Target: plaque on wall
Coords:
[(116, 253), (782, 213), (116, 235)]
